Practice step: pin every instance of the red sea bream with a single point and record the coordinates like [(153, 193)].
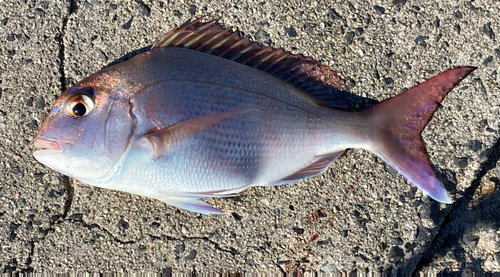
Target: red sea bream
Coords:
[(208, 113)]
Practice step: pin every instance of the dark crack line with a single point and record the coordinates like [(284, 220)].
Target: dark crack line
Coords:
[(71, 9), (96, 226), (452, 224)]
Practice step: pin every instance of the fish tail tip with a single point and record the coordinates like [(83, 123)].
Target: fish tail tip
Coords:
[(440, 194), (464, 70)]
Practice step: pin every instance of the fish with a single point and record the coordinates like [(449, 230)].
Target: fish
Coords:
[(207, 112)]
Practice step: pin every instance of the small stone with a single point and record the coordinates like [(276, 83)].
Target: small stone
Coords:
[(177, 13), (40, 12), (128, 24), (488, 60), (11, 37), (266, 245), (184, 230), (349, 38), (29, 103), (461, 162), (17, 171), (421, 40), (13, 226), (142, 249), (291, 32), (4, 21), (261, 35), (458, 15), (334, 14), (472, 7), (398, 2), (388, 80), (497, 52), (488, 187), (56, 193), (103, 56), (415, 8), (350, 82), (122, 224), (11, 53), (55, 218), (359, 31), (457, 28), (325, 242), (192, 9), (39, 103), (474, 145), (265, 24), (113, 6), (397, 241), (76, 217), (298, 230), (472, 241), (379, 9), (236, 216), (479, 84), (488, 31), (437, 23), (179, 248), (396, 254), (250, 262), (191, 256), (144, 9)]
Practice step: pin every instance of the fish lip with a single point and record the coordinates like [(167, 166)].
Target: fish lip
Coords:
[(42, 143)]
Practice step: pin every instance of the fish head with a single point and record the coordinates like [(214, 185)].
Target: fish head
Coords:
[(88, 129)]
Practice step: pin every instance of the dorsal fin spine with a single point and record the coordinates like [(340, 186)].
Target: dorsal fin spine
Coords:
[(233, 37), (180, 41), (193, 40)]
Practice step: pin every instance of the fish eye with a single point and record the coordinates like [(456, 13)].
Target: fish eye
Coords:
[(79, 105)]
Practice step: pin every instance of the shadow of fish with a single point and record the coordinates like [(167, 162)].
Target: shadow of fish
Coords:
[(208, 113)]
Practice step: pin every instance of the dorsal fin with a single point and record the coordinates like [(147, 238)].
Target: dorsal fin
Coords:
[(210, 37)]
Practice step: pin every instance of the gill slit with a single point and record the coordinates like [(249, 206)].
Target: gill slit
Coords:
[(133, 125)]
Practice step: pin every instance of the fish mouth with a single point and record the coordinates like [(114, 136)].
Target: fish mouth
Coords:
[(48, 144)]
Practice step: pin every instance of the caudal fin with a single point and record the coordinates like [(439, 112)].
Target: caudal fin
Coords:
[(399, 122)]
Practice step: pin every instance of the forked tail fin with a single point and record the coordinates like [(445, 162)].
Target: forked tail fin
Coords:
[(398, 123)]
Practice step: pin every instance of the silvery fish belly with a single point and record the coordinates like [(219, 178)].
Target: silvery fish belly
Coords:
[(206, 112)]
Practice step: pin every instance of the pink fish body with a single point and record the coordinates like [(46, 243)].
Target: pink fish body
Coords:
[(207, 113)]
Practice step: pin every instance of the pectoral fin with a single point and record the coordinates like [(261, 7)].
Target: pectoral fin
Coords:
[(162, 138)]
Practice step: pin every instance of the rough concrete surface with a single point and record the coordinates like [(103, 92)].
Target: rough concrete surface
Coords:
[(360, 214)]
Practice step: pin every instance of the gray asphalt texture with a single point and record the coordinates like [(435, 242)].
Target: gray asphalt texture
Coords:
[(360, 214)]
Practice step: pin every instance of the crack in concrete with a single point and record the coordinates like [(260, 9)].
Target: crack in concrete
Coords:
[(452, 226), (72, 7)]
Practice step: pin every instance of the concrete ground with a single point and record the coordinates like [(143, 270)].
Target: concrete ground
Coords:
[(360, 214)]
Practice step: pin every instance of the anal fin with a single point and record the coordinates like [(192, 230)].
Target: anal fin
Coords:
[(317, 166), (192, 205)]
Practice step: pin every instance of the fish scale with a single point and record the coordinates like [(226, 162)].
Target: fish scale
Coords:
[(206, 112)]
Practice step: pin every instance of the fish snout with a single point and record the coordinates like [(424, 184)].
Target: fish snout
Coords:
[(47, 144)]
